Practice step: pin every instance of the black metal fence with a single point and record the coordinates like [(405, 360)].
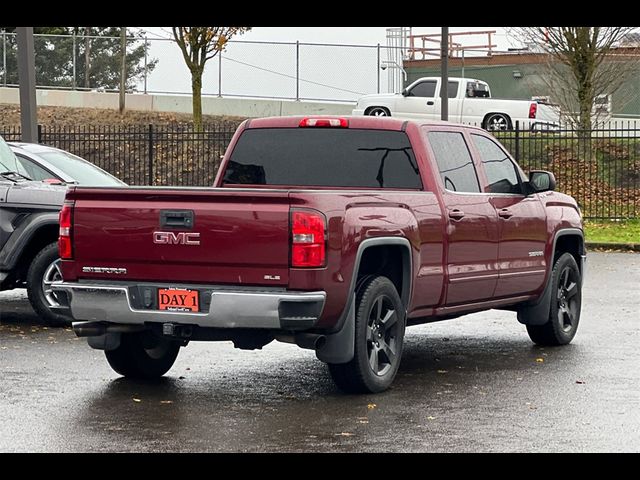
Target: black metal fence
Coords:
[(143, 154), (600, 168)]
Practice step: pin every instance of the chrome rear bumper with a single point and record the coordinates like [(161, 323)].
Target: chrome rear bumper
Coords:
[(280, 310)]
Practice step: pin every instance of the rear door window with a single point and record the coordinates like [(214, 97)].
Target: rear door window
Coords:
[(33, 170), (452, 89), (454, 161), (324, 157)]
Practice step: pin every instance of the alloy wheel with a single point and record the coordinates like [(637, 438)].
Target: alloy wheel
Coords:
[(382, 334)]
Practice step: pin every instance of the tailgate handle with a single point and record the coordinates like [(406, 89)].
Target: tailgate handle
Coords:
[(176, 218)]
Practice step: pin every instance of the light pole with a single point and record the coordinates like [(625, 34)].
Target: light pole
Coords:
[(27, 81), (394, 64)]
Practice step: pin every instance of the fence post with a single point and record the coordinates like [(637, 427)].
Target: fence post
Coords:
[(146, 68), (220, 74), (4, 58), (39, 133), (151, 154), (517, 141), (74, 61), (378, 68), (297, 70)]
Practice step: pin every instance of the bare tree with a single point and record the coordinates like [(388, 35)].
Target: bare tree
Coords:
[(583, 63), (199, 45)]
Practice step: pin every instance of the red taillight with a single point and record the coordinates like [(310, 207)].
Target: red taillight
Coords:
[(65, 248), (325, 122), (533, 110), (307, 238)]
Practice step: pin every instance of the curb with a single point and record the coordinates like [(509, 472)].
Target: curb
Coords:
[(625, 247)]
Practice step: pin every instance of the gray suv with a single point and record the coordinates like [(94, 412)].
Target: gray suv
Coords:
[(29, 217)]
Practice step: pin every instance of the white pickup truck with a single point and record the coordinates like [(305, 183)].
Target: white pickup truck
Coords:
[(469, 102)]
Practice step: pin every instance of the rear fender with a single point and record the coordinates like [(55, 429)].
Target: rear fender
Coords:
[(338, 347)]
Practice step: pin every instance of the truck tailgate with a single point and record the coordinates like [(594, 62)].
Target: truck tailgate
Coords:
[(243, 235)]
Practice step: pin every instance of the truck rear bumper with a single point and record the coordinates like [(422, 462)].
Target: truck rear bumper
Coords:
[(279, 310)]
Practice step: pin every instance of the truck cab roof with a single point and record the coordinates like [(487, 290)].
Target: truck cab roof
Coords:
[(358, 122)]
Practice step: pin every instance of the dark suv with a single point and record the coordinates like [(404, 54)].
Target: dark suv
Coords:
[(29, 217), (28, 234)]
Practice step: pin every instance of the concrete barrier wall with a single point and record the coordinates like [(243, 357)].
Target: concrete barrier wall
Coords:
[(240, 107)]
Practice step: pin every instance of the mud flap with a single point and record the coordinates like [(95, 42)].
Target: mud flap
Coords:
[(537, 313), (106, 342), (339, 347)]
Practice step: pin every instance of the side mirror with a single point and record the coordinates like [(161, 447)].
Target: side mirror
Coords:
[(542, 181), (405, 92)]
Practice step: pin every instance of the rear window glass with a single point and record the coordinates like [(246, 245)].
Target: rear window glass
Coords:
[(324, 157)]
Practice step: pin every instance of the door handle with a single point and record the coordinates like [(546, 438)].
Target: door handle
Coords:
[(505, 213), (456, 214), (430, 103)]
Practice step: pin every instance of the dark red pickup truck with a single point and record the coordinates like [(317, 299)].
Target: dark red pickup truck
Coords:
[(331, 233)]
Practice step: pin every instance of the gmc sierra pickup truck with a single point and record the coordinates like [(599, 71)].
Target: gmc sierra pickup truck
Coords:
[(330, 233)]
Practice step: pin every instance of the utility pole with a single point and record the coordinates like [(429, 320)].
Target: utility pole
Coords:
[(123, 67), (27, 81), (444, 74)]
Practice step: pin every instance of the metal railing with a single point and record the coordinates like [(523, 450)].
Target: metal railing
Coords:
[(600, 168), (428, 45)]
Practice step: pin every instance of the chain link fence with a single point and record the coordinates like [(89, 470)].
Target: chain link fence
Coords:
[(278, 70)]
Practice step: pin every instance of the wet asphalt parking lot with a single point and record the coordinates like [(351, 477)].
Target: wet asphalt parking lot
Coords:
[(465, 385)]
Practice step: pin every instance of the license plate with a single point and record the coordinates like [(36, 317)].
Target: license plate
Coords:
[(178, 300)]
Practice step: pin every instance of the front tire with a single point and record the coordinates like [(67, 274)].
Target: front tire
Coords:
[(143, 355), (379, 337), (43, 272), (566, 302)]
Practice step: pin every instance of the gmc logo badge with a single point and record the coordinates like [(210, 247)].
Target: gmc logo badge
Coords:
[(179, 238)]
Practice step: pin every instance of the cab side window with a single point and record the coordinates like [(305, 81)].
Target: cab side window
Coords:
[(476, 90), (501, 172)]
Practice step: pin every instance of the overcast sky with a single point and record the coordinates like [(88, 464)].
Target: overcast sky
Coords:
[(355, 35), (269, 70)]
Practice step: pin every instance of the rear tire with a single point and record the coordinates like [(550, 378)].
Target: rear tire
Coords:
[(497, 122), (43, 271), (378, 112), (566, 302), (379, 337), (143, 355)]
